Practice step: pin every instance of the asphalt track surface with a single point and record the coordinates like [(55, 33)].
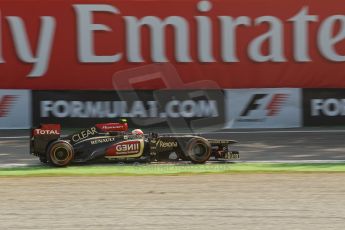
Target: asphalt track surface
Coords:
[(284, 145)]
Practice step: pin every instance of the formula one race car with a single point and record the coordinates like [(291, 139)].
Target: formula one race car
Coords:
[(112, 141)]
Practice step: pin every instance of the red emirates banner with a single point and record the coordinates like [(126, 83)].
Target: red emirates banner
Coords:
[(147, 44)]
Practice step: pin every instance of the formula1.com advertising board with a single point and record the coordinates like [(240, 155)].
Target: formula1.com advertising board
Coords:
[(189, 109)]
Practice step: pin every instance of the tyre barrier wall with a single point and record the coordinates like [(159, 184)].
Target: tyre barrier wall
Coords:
[(196, 110)]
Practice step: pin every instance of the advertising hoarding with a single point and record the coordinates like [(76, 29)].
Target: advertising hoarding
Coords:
[(236, 44), (15, 109), (263, 108), (189, 109), (324, 107)]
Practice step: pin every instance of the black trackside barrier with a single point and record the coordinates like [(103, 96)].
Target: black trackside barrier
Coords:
[(324, 107)]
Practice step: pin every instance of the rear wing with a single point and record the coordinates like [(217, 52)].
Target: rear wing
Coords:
[(42, 136)]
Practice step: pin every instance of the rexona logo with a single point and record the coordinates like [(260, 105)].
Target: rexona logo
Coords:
[(330, 107), (6, 102), (124, 148), (166, 144), (272, 108)]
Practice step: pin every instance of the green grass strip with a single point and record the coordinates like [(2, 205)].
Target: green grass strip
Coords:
[(169, 169)]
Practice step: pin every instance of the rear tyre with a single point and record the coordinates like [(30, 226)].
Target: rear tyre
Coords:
[(198, 150), (60, 153)]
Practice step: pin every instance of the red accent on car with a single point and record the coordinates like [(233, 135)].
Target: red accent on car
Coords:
[(124, 148), (112, 127), (47, 129)]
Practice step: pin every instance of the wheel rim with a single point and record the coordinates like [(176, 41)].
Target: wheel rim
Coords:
[(61, 155), (199, 150)]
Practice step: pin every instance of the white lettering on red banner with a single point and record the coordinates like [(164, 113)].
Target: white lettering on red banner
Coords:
[(86, 29)]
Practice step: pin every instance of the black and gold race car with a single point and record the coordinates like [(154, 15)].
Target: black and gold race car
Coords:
[(112, 141)]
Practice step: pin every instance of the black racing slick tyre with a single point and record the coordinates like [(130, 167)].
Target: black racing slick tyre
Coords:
[(198, 150), (60, 153)]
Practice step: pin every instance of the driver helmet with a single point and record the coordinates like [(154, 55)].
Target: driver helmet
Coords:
[(138, 132)]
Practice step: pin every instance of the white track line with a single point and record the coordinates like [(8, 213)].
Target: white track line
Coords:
[(12, 165), (15, 137)]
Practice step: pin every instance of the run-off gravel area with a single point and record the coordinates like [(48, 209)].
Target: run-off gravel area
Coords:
[(237, 201)]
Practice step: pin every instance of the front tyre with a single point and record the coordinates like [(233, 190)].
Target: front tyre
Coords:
[(60, 153), (198, 150)]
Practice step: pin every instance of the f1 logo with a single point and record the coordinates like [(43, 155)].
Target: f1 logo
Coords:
[(273, 107), (6, 102), (253, 104)]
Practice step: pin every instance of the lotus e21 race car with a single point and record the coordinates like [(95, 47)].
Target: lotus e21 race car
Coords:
[(112, 141)]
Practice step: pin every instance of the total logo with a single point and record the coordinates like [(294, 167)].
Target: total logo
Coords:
[(46, 132), (6, 103), (261, 106)]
